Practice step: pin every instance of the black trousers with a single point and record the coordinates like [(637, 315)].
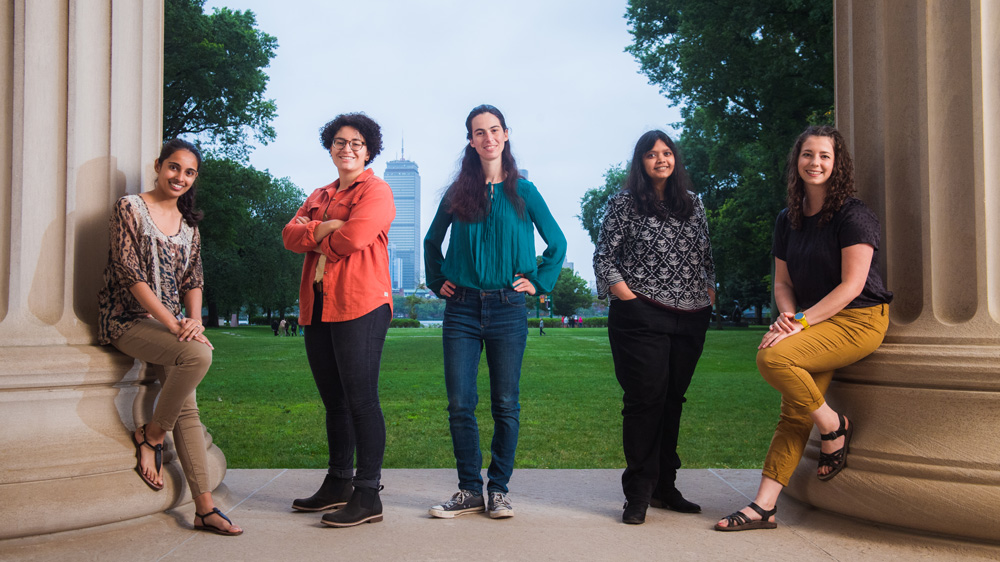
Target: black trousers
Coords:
[(344, 358), (655, 352)]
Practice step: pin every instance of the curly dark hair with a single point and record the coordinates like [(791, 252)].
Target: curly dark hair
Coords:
[(185, 203), (369, 129), (466, 196), (839, 187), (676, 197)]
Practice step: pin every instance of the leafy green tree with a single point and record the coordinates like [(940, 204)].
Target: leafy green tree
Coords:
[(272, 272), (594, 201), (750, 74), (411, 303), (213, 77), (570, 293), (244, 259)]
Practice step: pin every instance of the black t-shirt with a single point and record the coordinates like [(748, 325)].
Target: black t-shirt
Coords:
[(813, 253)]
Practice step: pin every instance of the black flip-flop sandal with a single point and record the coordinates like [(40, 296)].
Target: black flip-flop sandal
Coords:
[(157, 449), (212, 528)]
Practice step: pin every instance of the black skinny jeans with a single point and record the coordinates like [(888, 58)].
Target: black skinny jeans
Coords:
[(655, 352), (345, 359)]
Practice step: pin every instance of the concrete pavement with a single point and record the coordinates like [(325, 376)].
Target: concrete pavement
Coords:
[(560, 515)]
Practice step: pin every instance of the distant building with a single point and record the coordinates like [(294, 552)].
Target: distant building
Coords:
[(404, 234), (569, 264), (523, 172)]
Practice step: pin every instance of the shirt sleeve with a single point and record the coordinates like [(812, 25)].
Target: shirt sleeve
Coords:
[(126, 266), (708, 262), (371, 214), (300, 238), (609, 241), (555, 251), (433, 257), (860, 226), (194, 278)]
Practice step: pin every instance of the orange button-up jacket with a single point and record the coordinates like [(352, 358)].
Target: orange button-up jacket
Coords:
[(356, 276)]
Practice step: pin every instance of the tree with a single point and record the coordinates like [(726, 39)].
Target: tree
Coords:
[(411, 303), (751, 74), (593, 202), (243, 257), (570, 293), (213, 77)]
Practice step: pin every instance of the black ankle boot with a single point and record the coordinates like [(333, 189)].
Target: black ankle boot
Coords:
[(634, 513), (674, 501), (365, 507), (334, 492)]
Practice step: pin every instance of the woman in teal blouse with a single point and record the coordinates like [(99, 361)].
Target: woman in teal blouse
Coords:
[(490, 265)]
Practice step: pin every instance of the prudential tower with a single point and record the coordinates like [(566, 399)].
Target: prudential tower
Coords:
[(403, 177)]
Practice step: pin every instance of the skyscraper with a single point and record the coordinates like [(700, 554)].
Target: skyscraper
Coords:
[(404, 234)]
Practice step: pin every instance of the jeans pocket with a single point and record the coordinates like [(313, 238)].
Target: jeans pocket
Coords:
[(514, 298)]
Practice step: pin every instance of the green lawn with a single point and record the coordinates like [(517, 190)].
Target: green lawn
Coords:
[(261, 406)]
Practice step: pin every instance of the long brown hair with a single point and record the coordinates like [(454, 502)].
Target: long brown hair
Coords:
[(466, 197), (840, 185)]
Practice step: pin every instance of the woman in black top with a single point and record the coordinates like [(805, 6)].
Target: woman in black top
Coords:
[(833, 311), (654, 258)]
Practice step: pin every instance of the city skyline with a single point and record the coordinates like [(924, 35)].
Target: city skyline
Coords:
[(405, 237), (573, 99)]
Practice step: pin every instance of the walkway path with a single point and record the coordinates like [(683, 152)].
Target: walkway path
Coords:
[(560, 515)]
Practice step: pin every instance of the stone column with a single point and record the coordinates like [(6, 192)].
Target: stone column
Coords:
[(918, 98), (80, 125)]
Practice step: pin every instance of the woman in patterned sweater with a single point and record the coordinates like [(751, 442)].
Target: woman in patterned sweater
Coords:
[(654, 258), (154, 265)]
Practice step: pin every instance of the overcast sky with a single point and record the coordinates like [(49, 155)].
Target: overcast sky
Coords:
[(573, 99)]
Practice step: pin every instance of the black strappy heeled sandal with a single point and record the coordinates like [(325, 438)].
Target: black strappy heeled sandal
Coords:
[(836, 460), (158, 453), (212, 528), (738, 521)]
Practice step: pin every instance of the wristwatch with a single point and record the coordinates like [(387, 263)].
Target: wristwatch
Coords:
[(800, 317)]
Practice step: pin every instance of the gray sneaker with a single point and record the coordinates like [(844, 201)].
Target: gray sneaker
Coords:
[(464, 501), (500, 505)]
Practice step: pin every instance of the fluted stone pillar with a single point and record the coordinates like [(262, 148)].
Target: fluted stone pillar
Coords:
[(80, 122), (918, 98)]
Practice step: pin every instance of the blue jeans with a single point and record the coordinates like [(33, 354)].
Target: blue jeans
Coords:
[(344, 358), (498, 321)]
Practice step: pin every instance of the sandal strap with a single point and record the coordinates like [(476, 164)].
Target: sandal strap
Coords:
[(157, 449), (737, 519), (216, 511), (842, 430), (764, 514)]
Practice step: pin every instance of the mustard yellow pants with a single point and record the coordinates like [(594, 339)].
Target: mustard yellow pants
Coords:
[(801, 367)]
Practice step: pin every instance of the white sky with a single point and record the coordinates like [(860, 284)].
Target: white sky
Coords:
[(573, 99)]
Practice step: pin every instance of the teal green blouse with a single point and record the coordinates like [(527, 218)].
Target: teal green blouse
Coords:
[(486, 255)]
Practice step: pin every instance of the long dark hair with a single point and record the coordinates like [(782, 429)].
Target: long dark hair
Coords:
[(185, 204), (466, 196), (840, 185), (677, 200)]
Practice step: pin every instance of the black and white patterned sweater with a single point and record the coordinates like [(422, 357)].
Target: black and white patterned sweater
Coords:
[(669, 261)]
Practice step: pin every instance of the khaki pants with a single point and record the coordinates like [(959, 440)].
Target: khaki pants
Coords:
[(179, 366), (801, 368)]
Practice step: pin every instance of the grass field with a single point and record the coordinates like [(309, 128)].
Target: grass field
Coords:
[(261, 405)]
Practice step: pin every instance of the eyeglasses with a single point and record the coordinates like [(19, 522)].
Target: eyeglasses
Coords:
[(341, 143)]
